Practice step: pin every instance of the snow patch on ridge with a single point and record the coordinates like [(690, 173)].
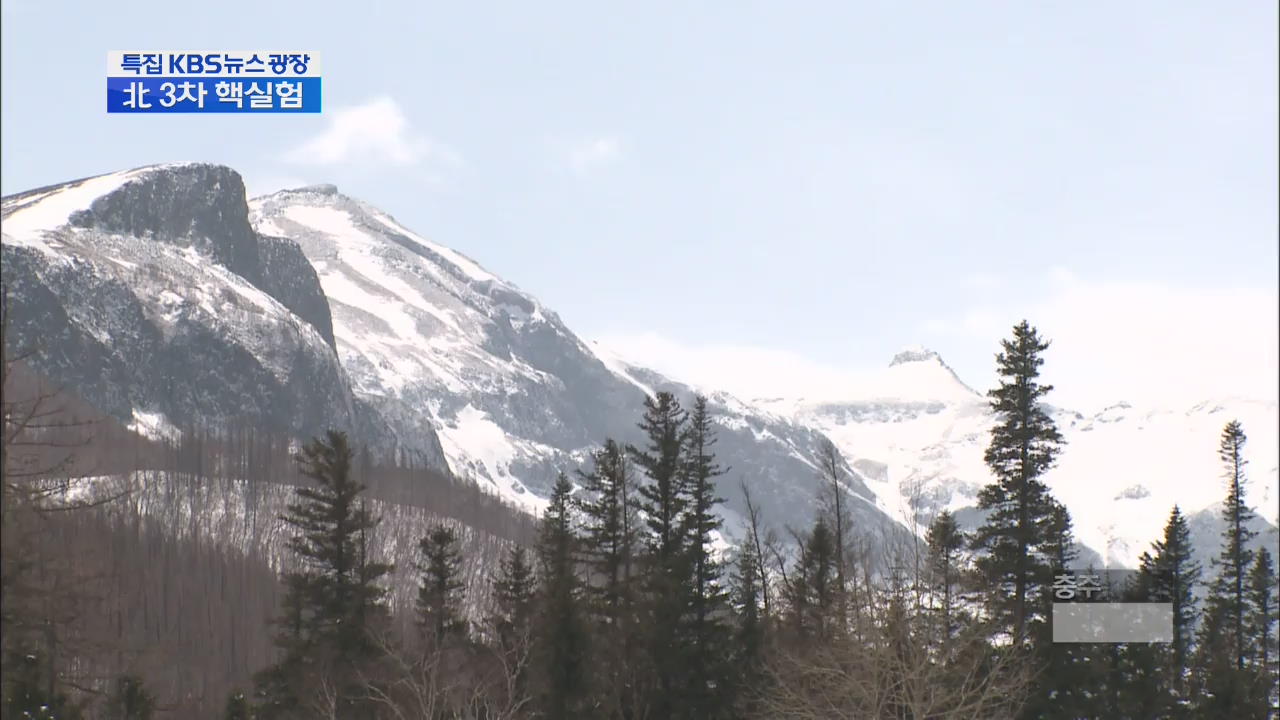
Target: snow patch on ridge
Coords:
[(28, 217), (464, 264), (153, 425), (473, 442), (617, 365)]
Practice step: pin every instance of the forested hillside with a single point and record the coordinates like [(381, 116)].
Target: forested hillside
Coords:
[(230, 573)]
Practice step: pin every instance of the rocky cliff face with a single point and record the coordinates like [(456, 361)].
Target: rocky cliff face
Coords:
[(203, 207), (150, 294)]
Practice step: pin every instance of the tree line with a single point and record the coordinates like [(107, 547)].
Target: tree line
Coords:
[(629, 601)]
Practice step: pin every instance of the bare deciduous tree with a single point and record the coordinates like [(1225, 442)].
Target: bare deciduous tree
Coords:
[(462, 683), (897, 657)]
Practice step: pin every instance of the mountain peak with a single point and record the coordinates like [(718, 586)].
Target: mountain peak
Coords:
[(915, 353), (917, 368), (317, 189)]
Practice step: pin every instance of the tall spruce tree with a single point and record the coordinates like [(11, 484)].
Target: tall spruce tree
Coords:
[(514, 591), (662, 498), (705, 631), (560, 635), (608, 508), (813, 593), (514, 596), (607, 505), (1074, 683), (946, 541), (663, 502), (1155, 677), (1261, 626), (1012, 542), (1170, 574), (440, 590), (1231, 586), (1225, 648), (332, 602)]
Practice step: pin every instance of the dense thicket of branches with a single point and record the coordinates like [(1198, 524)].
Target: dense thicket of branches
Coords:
[(236, 575)]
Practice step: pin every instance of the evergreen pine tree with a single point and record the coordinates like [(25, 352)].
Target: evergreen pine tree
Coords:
[(1224, 684), (813, 591), (662, 498), (1146, 685), (440, 590), (561, 639), (1233, 563), (1024, 445), (1073, 684), (663, 502), (334, 600), (1171, 575), (332, 522), (608, 508), (1155, 675), (704, 630), (514, 594), (946, 541), (1260, 624), (514, 591)]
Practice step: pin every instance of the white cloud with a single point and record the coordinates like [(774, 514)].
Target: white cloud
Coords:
[(1139, 342), (376, 132), (744, 370), (1145, 342), (592, 153)]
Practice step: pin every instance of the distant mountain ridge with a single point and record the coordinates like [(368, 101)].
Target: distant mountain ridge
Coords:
[(166, 298), (919, 432)]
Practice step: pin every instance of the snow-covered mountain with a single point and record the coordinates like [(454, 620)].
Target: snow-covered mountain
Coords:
[(917, 433), (149, 294), (428, 335), (161, 294), (165, 297)]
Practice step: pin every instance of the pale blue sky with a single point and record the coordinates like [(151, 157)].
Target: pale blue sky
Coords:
[(801, 185)]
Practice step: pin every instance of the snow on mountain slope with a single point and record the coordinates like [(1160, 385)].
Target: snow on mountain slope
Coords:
[(149, 294), (427, 335), (29, 216), (161, 296), (426, 332), (918, 435)]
